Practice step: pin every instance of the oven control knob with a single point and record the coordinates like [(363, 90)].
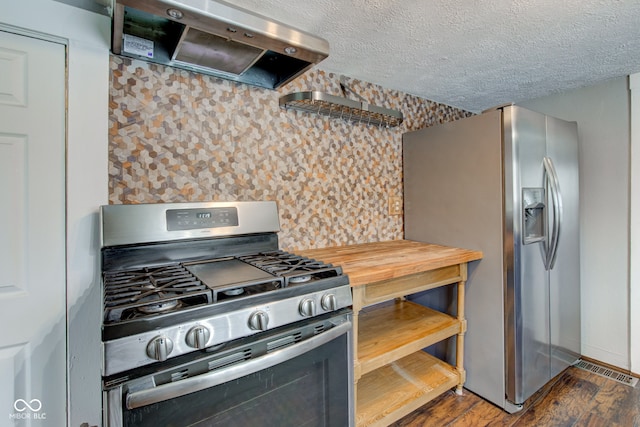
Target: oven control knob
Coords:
[(328, 302), (197, 337), (258, 321), (159, 348), (307, 307)]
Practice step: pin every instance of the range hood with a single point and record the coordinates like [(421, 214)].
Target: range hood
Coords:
[(215, 38)]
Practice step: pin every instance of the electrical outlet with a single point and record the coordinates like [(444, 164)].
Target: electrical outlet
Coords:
[(395, 205)]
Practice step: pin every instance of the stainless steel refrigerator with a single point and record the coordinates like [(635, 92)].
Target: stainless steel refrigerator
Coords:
[(504, 182)]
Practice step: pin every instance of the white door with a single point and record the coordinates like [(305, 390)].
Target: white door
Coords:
[(32, 232)]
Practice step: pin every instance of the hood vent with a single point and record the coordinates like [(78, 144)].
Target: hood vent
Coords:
[(342, 108), (215, 38)]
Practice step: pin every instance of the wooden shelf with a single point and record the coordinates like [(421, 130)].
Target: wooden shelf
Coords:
[(392, 330), (397, 389)]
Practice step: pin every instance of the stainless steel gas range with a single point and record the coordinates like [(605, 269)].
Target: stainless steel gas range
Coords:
[(207, 322)]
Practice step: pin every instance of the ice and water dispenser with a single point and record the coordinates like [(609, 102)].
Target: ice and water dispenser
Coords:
[(533, 215)]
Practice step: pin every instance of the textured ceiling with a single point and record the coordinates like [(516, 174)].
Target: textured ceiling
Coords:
[(471, 54)]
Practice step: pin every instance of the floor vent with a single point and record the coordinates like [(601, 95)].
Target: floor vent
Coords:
[(607, 372)]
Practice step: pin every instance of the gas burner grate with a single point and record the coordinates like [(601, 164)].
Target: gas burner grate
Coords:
[(295, 269), (149, 291)]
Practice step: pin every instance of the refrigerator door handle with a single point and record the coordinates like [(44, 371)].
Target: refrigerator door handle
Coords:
[(551, 177)]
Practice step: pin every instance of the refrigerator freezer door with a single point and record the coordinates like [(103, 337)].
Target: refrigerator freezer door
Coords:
[(527, 285)]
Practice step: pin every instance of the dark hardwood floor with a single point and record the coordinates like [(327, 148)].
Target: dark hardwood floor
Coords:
[(575, 398)]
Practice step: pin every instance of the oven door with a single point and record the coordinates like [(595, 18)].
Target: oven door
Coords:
[(302, 376)]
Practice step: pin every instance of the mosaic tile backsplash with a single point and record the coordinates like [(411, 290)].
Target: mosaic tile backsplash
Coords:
[(177, 136)]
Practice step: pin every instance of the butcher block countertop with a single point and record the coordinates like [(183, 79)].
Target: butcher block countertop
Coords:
[(373, 262)]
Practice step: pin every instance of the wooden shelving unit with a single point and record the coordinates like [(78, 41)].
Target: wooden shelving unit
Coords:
[(393, 375)]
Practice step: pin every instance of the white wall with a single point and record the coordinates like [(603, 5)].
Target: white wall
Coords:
[(634, 261), (87, 36), (602, 113)]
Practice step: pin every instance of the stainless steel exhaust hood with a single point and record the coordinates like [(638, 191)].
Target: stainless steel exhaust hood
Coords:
[(216, 38)]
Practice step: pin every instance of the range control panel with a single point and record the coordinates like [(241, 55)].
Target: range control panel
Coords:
[(191, 219)]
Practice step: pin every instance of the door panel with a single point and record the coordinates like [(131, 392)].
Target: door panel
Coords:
[(32, 261), (13, 68), (13, 376), (12, 217)]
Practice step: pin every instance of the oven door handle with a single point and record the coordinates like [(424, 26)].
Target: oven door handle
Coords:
[(168, 391)]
